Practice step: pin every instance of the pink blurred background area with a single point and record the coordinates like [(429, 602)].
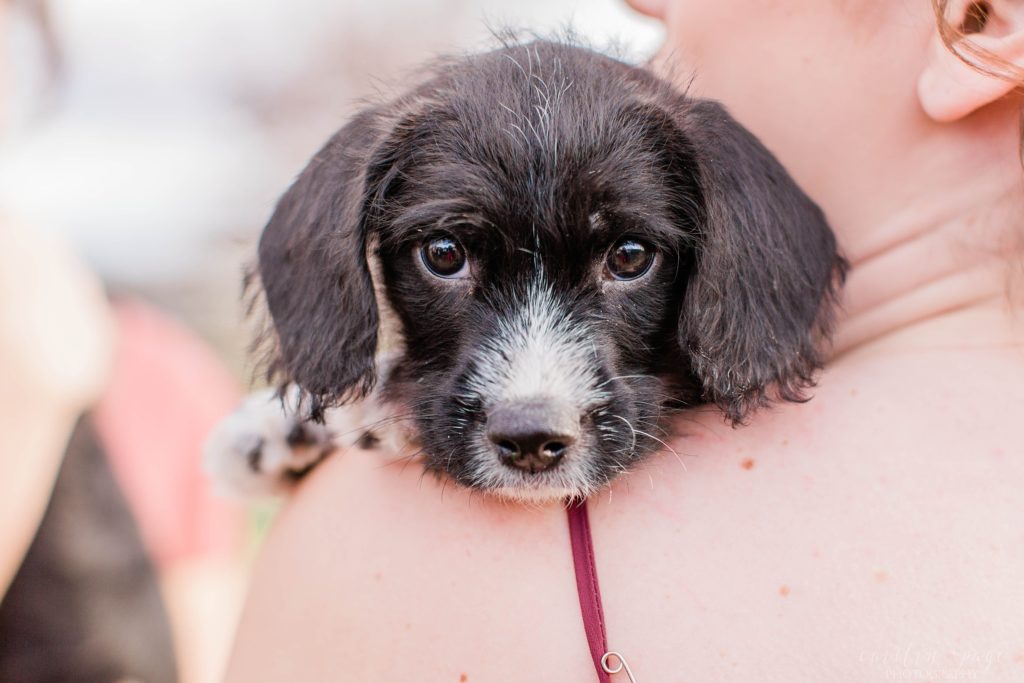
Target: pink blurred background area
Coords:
[(166, 392)]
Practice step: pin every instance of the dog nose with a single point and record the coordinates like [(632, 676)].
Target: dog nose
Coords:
[(533, 435)]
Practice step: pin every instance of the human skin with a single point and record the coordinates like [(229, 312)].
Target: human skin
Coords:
[(46, 299), (874, 533), (56, 339)]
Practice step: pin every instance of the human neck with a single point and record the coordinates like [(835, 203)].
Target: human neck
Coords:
[(938, 275)]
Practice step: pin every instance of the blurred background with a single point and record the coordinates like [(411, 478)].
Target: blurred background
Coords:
[(142, 147)]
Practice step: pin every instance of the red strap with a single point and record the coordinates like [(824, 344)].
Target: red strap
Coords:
[(586, 584)]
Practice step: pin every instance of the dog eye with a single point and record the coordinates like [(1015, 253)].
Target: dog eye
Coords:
[(628, 259), (445, 257)]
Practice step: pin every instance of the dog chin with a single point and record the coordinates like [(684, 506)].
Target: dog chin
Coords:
[(538, 488), (536, 494)]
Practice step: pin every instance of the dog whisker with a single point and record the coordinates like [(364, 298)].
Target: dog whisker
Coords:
[(631, 429), (667, 447), (404, 460), (618, 377)]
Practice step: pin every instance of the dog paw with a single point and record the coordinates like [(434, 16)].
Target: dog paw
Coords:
[(261, 449)]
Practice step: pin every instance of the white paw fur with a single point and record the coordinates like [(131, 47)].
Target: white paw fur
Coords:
[(250, 452)]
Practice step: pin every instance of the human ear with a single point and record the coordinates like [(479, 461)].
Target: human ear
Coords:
[(990, 37)]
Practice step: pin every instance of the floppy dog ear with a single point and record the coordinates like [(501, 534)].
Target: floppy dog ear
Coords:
[(314, 271), (759, 301)]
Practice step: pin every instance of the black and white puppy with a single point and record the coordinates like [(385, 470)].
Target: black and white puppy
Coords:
[(555, 251)]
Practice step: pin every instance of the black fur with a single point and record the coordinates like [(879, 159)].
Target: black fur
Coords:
[(538, 157), (85, 605), (314, 274)]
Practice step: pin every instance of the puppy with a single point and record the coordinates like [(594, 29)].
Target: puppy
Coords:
[(554, 251)]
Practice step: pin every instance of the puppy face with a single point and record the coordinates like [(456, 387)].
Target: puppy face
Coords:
[(570, 249)]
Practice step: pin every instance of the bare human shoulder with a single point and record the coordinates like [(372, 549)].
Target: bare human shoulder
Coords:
[(867, 534)]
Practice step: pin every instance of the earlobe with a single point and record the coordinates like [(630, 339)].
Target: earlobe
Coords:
[(949, 88)]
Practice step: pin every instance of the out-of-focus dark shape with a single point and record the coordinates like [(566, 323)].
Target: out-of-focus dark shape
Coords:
[(85, 605)]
